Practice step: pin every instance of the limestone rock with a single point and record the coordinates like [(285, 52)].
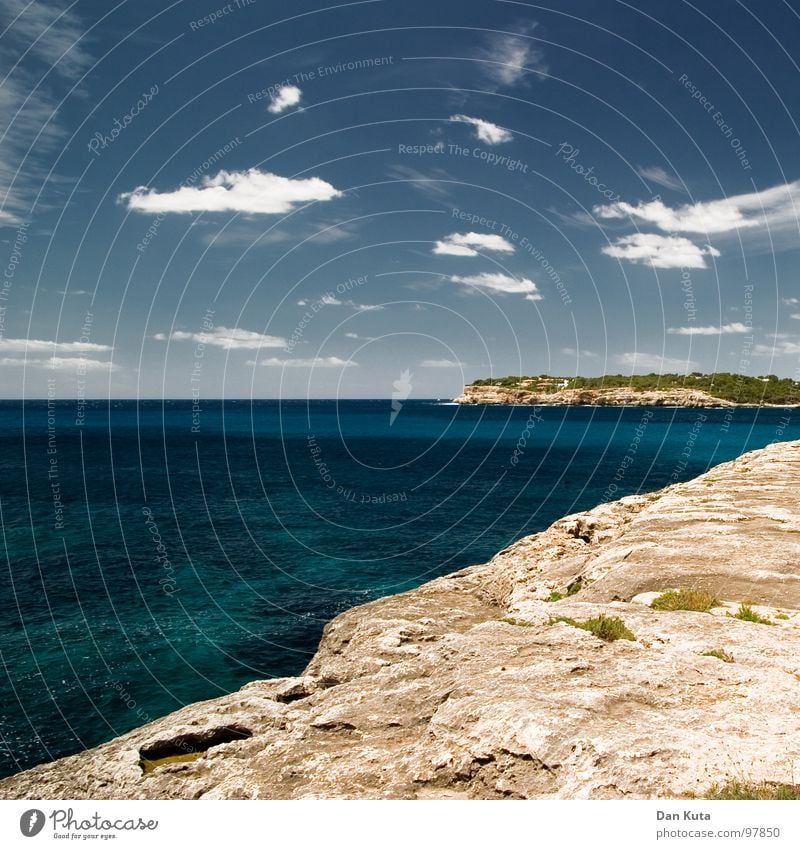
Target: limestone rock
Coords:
[(612, 397)]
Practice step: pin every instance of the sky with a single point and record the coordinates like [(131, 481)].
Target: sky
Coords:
[(204, 200)]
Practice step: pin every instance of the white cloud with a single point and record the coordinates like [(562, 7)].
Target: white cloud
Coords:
[(791, 302), (253, 191), (43, 56), (441, 364), (507, 59), (465, 244), (485, 131), (502, 283), (572, 352), (660, 251), (312, 362), (655, 362), (776, 208), (735, 327), (360, 338), (42, 346), (284, 97), (656, 174), (59, 363), (230, 338), (795, 315), (781, 348), (329, 300)]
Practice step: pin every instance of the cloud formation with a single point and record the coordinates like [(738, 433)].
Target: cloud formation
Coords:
[(285, 97), (330, 300), (441, 364), (501, 283), (467, 244), (660, 251), (656, 174), (229, 338), (311, 362), (59, 363), (780, 348), (776, 207), (251, 191), (42, 346), (734, 327), (508, 59), (43, 54), (485, 131)]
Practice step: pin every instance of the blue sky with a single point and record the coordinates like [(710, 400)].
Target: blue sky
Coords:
[(207, 199)]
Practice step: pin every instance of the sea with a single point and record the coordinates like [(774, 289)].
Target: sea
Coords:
[(158, 553)]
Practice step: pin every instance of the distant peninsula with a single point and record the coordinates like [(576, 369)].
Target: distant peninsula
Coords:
[(723, 389)]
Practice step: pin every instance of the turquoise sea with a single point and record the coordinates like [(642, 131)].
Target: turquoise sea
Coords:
[(156, 554)]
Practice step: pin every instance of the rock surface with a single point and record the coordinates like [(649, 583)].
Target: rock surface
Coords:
[(462, 688), (616, 397)]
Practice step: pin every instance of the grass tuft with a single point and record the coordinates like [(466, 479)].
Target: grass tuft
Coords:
[(608, 628), (685, 600), (721, 654), (781, 615), (747, 614), (575, 587), (739, 790)]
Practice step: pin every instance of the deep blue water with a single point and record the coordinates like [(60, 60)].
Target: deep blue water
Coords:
[(272, 517)]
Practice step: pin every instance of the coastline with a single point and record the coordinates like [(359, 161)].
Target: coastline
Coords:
[(497, 395), (465, 687)]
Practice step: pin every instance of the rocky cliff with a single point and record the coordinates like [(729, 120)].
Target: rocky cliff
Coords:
[(614, 397), (475, 685)]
